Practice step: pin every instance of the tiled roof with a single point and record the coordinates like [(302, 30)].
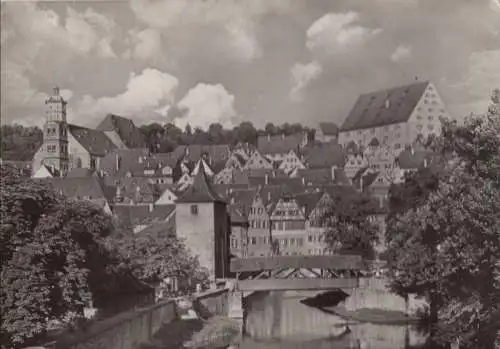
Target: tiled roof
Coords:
[(142, 214), (340, 177), (308, 201), (279, 144), (243, 199), (329, 128), (325, 155), (82, 187), (94, 141), (193, 152), (167, 159), (128, 187), (128, 161), (201, 190), (384, 107), (261, 172), (316, 176), (130, 135), (79, 173), (411, 160)]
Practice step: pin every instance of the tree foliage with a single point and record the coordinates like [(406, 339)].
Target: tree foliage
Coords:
[(349, 225), (20, 143), (444, 242), (158, 254), (53, 257)]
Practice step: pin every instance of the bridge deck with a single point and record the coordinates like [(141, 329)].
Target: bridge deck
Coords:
[(296, 284), (333, 262)]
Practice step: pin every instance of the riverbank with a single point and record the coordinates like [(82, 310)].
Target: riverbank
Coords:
[(374, 316)]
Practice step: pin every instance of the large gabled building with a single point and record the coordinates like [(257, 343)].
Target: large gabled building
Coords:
[(395, 117)]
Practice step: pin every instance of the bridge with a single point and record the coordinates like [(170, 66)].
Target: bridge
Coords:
[(299, 273)]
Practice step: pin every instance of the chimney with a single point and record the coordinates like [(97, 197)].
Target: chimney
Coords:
[(303, 180), (266, 179), (268, 196), (387, 103), (361, 183), (283, 136), (268, 136), (333, 172), (233, 201), (412, 150), (274, 173), (425, 163), (140, 159), (151, 207)]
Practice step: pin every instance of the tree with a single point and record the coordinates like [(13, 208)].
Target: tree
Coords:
[(246, 133), (19, 142), (216, 133), (270, 129), (155, 255), (349, 228), (444, 244), (53, 258)]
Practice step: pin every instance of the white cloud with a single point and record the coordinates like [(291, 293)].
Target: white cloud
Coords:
[(495, 5), (401, 53), (147, 43), (302, 75), (207, 104), (235, 17), (336, 32), (149, 91), (243, 41)]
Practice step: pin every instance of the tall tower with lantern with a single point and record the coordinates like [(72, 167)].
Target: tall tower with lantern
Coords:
[(55, 134)]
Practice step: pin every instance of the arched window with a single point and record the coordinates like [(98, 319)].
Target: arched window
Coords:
[(78, 163)]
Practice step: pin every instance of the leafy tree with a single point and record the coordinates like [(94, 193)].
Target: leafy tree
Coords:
[(19, 142), (270, 129), (216, 133), (444, 243), (246, 133), (53, 261), (155, 255), (349, 228)]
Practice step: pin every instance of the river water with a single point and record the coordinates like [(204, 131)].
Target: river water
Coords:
[(277, 320)]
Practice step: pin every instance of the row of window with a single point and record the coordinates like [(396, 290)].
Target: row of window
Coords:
[(430, 127)]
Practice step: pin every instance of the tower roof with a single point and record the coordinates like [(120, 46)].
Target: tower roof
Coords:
[(201, 190)]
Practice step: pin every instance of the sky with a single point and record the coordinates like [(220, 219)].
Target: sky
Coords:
[(227, 61)]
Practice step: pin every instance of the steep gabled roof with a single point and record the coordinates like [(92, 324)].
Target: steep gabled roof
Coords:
[(329, 128), (201, 190), (410, 159), (308, 201), (384, 107), (324, 155), (279, 144), (79, 188), (130, 135), (94, 141)]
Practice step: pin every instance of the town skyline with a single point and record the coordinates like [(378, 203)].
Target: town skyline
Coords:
[(270, 62)]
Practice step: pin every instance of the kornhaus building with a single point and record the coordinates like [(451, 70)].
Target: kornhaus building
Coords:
[(394, 117), (66, 146)]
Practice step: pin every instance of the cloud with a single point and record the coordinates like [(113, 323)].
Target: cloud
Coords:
[(479, 80), (146, 43), (336, 33), (236, 18), (146, 93), (401, 53), (302, 75), (205, 104)]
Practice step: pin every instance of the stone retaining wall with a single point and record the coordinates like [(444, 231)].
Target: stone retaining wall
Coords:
[(123, 331)]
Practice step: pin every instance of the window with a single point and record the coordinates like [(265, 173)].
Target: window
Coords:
[(253, 241), (309, 238), (431, 117), (397, 146), (92, 163), (194, 209), (419, 117)]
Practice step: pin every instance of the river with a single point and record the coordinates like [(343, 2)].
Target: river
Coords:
[(276, 320)]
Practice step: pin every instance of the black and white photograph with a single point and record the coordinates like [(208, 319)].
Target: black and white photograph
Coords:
[(250, 174)]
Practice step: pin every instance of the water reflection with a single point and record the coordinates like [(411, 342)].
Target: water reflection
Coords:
[(279, 320)]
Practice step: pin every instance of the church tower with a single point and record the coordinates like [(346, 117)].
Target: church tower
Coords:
[(55, 134)]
